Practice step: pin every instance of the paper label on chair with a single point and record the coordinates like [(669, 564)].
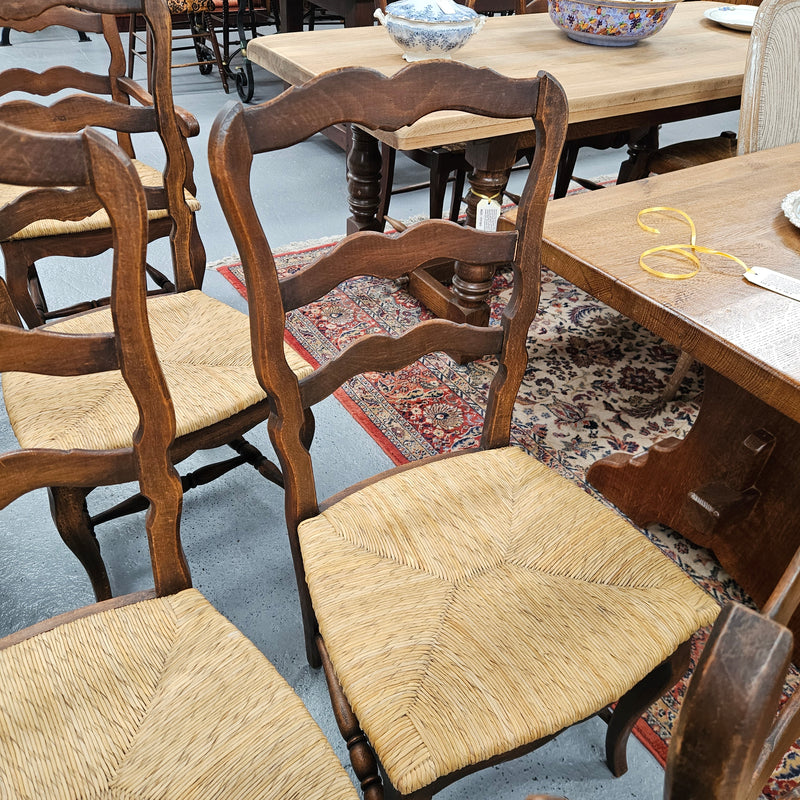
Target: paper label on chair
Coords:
[(487, 213), (774, 281)]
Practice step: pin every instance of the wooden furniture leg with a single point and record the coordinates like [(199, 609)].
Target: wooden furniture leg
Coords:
[(634, 167), (71, 516), (635, 702), (291, 15), (465, 300), (363, 181), (730, 485)]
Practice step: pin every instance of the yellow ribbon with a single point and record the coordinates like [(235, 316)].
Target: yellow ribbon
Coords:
[(485, 196), (686, 250)]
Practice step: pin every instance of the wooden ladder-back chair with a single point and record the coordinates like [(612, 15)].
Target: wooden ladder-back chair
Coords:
[(728, 737), (467, 607), (154, 694), (114, 102)]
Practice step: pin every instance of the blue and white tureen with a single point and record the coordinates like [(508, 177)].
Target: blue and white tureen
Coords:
[(429, 28)]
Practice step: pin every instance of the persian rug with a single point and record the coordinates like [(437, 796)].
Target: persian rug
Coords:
[(592, 387)]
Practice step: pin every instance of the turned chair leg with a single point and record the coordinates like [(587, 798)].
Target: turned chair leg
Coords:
[(71, 516), (635, 702)]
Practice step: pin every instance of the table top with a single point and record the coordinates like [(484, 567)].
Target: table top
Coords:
[(748, 334), (691, 60)]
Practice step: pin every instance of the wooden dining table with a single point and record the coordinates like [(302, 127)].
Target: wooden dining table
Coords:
[(733, 483), (691, 68)]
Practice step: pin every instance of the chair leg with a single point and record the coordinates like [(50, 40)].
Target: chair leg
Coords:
[(388, 157), (458, 194), (362, 758), (636, 701), (131, 42), (202, 28), (683, 365), (566, 166), (439, 178), (71, 516)]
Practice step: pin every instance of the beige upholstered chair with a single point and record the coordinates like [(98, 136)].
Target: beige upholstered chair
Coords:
[(154, 694), (770, 112), (468, 607), (112, 101)]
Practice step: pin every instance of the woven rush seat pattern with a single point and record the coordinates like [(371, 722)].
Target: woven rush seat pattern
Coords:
[(98, 221), (204, 349), (461, 562), (83, 707)]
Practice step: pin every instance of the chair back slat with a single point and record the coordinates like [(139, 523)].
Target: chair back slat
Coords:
[(14, 10), (74, 18), (69, 204), (56, 79), (392, 258), (375, 353), (71, 114), (32, 351), (90, 161), (362, 96)]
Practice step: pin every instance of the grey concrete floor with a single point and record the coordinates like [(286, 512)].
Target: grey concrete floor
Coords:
[(233, 529)]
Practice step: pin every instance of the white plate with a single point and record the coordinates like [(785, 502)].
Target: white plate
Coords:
[(739, 18), (791, 207)]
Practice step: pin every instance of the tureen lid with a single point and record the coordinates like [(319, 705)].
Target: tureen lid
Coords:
[(430, 10)]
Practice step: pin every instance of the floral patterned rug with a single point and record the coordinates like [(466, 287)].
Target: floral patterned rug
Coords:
[(593, 386)]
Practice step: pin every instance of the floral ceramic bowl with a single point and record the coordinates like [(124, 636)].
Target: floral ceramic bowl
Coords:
[(425, 29), (613, 23)]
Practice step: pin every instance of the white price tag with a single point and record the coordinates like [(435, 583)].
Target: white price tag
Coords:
[(487, 213), (774, 281)]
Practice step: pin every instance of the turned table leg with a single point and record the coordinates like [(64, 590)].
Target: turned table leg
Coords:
[(732, 485), (363, 181), (466, 299)]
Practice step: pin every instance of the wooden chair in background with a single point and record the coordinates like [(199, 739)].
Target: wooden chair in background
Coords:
[(466, 608), (770, 111), (154, 693), (194, 23), (115, 102)]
